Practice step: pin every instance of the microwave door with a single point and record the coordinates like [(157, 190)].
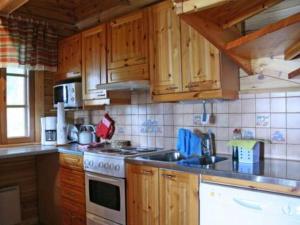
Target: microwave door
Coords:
[(59, 94), (66, 94)]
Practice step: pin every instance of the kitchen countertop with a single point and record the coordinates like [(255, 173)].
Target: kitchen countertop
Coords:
[(30, 150), (272, 171)]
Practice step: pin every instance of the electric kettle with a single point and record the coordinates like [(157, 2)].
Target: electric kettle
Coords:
[(86, 135)]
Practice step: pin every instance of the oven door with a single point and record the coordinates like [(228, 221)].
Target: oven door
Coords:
[(105, 197)]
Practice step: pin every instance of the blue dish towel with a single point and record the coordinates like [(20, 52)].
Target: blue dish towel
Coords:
[(188, 143), (182, 141), (195, 145)]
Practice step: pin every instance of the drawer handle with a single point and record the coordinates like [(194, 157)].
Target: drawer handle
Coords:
[(171, 88), (192, 85), (168, 176)]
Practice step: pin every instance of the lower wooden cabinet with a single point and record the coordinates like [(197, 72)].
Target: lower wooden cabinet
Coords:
[(178, 198), (72, 190), (158, 196), (142, 195)]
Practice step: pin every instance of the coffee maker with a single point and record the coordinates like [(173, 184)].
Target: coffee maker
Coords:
[(48, 129)]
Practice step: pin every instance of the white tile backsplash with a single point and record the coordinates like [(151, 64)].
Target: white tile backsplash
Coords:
[(157, 124), (293, 104)]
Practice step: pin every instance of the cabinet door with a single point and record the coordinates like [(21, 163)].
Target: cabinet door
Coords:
[(69, 58), (165, 58), (128, 44), (93, 62), (179, 200), (142, 195), (200, 61)]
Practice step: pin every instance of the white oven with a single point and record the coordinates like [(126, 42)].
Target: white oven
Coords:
[(105, 200)]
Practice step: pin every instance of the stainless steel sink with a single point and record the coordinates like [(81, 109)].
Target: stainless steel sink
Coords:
[(178, 157), (166, 157), (203, 160)]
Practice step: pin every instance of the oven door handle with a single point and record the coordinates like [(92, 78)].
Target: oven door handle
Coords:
[(101, 178)]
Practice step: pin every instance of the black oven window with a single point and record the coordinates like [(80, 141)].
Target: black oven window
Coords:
[(104, 194)]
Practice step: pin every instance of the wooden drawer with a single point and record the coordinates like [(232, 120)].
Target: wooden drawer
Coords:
[(74, 162), (129, 73), (72, 193), (72, 177), (74, 207)]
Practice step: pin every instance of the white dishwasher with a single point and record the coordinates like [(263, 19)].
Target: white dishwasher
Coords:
[(222, 205)]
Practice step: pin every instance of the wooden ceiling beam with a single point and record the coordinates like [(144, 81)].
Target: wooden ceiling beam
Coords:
[(294, 73), (9, 6), (192, 6), (293, 51), (242, 15)]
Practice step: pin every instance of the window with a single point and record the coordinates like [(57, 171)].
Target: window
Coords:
[(17, 107)]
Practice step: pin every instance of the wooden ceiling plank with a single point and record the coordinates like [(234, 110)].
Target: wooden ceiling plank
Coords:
[(248, 12), (9, 6), (291, 20), (218, 37), (294, 73), (293, 51), (191, 6)]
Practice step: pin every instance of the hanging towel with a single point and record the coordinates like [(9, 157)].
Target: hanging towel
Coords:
[(188, 143), (195, 145)]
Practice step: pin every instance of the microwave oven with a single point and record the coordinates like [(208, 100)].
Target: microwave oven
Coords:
[(70, 94)]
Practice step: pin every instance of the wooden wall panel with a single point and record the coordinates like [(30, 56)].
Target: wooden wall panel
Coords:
[(22, 171)]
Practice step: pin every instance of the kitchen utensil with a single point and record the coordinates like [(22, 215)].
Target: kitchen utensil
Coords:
[(205, 116), (87, 134)]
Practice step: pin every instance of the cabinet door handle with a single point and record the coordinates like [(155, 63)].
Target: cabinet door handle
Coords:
[(147, 172), (191, 85), (171, 88), (168, 176)]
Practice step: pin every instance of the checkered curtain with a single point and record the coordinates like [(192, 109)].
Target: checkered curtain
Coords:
[(27, 43)]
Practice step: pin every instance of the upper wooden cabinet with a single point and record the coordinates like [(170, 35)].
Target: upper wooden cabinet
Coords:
[(128, 44), (69, 58), (165, 57), (200, 61), (184, 65), (158, 196), (142, 195), (93, 62)]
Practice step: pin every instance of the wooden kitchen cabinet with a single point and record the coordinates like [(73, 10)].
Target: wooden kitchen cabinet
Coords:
[(165, 56), (93, 62), (128, 44), (184, 65), (158, 196), (179, 198), (69, 58), (142, 195), (200, 61), (72, 190)]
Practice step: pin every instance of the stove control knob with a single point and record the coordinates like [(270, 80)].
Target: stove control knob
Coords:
[(86, 162), (106, 166), (117, 167), (101, 165), (111, 166), (90, 163)]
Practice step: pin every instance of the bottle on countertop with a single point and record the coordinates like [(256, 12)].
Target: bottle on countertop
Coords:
[(237, 135)]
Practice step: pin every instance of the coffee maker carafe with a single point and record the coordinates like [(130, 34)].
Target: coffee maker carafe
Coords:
[(48, 129)]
